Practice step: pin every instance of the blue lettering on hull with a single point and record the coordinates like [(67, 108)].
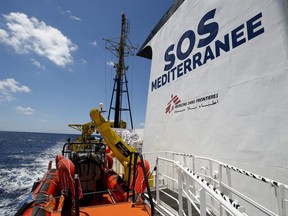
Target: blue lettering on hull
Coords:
[(252, 29)]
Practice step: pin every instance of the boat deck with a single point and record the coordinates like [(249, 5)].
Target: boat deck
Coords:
[(113, 209), (107, 207)]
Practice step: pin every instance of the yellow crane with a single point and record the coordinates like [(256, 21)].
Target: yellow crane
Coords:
[(121, 150), (87, 130)]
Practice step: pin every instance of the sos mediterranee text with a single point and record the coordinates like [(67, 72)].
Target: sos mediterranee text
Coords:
[(207, 32)]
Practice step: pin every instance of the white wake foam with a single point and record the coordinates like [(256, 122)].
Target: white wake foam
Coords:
[(19, 180)]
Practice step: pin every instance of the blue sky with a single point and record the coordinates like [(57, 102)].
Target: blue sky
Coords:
[(54, 66)]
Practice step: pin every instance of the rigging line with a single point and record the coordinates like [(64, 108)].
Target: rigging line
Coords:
[(105, 71), (132, 82)]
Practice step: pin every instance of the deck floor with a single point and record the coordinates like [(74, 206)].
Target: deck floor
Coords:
[(113, 209)]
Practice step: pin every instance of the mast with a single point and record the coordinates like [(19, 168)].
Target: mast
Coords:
[(120, 49)]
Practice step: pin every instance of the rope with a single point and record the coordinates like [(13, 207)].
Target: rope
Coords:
[(217, 191), (183, 154), (250, 174), (105, 75)]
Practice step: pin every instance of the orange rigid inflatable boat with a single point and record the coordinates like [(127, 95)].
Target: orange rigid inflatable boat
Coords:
[(42, 195), (84, 183)]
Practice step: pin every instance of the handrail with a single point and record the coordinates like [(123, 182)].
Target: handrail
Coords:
[(82, 144), (261, 208), (216, 179), (228, 203), (244, 172), (255, 176)]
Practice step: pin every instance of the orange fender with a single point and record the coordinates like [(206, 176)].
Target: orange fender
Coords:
[(112, 183)]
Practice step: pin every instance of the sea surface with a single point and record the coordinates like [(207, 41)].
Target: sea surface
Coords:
[(24, 159)]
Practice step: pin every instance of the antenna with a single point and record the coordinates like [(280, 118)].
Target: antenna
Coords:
[(121, 48)]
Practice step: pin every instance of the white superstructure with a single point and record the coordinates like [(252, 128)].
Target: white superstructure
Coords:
[(219, 85)]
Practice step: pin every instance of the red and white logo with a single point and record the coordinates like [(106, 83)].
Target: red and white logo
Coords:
[(172, 103)]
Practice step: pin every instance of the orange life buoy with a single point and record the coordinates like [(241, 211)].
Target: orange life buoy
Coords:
[(58, 158), (66, 177), (140, 184)]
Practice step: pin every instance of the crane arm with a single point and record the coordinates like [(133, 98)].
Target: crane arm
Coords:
[(86, 129), (121, 149)]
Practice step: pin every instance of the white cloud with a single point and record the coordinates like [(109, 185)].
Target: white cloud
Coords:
[(27, 35), (142, 125), (25, 110), (83, 61), (37, 63), (75, 18), (110, 63), (94, 43), (69, 13), (9, 87), (65, 12)]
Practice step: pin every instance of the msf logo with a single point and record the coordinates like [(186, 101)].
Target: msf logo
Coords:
[(172, 103)]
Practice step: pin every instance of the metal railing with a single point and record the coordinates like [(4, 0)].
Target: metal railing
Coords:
[(220, 177), (196, 194)]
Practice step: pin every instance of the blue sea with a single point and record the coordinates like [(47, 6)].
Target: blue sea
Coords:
[(24, 158)]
